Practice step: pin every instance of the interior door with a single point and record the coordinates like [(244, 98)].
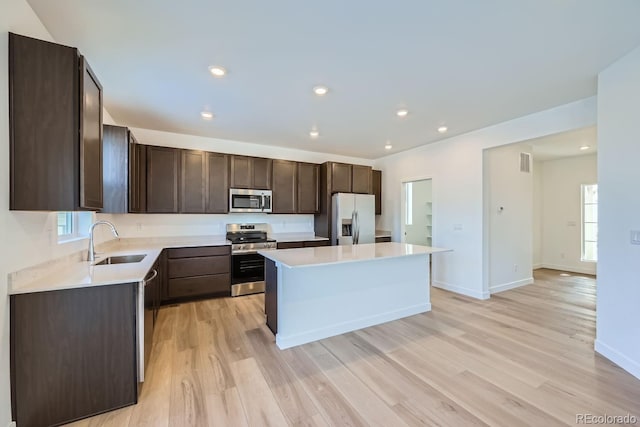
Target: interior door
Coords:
[(418, 212)]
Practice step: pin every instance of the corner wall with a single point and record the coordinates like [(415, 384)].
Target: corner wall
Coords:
[(618, 297), (509, 211), (455, 165), (561, 208)]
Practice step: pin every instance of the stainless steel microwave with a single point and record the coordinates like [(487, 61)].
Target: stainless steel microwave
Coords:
[(241, 200)]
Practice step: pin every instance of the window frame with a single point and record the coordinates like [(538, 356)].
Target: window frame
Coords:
[(78, 222)]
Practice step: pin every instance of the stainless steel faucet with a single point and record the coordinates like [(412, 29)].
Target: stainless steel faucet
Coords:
[(91, 256)]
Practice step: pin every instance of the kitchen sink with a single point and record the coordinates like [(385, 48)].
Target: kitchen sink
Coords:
[(123, 259)]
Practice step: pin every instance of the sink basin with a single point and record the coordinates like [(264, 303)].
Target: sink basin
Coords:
[(123, 259)]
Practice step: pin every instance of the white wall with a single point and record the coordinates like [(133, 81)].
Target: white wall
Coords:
[(537, 214), (455, 164), (562, 212), (618, 301), (509, 216)]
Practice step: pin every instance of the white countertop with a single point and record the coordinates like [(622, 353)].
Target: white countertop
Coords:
[(81, 274), (295, 237), (304, 257)]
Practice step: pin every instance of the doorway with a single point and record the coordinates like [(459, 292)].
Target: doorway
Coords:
[(417, 215)]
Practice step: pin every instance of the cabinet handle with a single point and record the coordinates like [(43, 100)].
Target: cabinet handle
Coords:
[(154, 273)]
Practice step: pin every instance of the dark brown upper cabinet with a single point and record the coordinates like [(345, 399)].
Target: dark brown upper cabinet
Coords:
[(137, 176), (251, 172), (285, 186), (115, 158), (193, 181), (361, 179), (340, 177), (346, 178), (124, 171), (55, 116), (308, 187), (217, 200), (163, 176), (376, 187)]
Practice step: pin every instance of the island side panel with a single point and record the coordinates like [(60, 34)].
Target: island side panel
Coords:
[(320, 301), (271, 294)]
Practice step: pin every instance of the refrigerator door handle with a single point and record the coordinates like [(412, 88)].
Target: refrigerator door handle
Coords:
[(357, 229)]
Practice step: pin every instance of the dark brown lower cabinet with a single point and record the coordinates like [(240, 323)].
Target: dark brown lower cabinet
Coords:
[(384, 239), (195, 272), (271, 294), (302, 244), (73, 353)]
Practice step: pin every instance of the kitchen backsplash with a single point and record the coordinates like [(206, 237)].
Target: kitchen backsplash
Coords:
[(154, 225)]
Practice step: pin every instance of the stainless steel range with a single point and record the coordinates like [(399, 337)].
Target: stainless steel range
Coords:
[(247, 266)]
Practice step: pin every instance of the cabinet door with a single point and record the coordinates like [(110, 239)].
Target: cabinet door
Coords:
[(217, 183), (90, 139), (73, 353), (193, 182), (43, 115), (163, 165), (241, 172), (137, 176), (308, 188), (340, 178), (361, 179), (376, 187), (115, 169), (284, 186), (262, 173)]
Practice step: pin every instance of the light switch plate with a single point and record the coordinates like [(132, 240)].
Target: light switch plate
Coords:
[(635, 237)]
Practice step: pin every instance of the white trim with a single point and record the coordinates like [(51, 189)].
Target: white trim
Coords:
[(511, 285), (284, 342), (537, 266), (591, 271), (625, 362), (11, 424), (460, 290)]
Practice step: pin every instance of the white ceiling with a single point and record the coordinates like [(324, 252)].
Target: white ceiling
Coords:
[(467, 64), (565, 144)]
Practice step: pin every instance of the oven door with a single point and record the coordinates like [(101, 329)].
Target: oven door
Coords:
[(247, 268)]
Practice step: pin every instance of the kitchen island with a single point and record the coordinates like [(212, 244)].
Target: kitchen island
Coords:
[(315, 293)]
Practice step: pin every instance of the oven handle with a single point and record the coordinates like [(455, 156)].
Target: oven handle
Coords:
[(245, 252)]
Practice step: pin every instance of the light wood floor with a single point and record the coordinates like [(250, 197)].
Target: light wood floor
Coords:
[(524, 357)]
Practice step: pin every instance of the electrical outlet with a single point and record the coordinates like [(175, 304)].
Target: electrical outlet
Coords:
[(635, 237), (562, 255), (139, 226), (515, 268), (457, 227)]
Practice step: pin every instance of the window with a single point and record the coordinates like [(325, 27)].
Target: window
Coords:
[(590, 222), (73, 225)]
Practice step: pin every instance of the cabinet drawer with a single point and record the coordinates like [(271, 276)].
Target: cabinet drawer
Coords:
[(290, 245), (383, 239), (198, 251), (201, 285), (186, 267), (315, 243)]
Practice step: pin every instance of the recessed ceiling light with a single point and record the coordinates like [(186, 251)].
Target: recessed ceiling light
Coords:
[(443, 129), (217, 71), (314, 133), (320, 90), (388, 146), (402, 112), (584, 147), (206, 115)]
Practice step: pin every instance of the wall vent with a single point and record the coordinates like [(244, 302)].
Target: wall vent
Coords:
[(525, 162)]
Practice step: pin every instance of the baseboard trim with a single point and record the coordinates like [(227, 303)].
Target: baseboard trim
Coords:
[(536, 266), (11, 424), (591, 271), (460, 290), (510, 285), (618, 358), (298, 339)]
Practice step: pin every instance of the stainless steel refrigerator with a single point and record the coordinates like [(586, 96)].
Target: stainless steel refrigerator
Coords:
[(353, 219)]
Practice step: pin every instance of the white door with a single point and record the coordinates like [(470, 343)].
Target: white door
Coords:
[(418, 212)]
